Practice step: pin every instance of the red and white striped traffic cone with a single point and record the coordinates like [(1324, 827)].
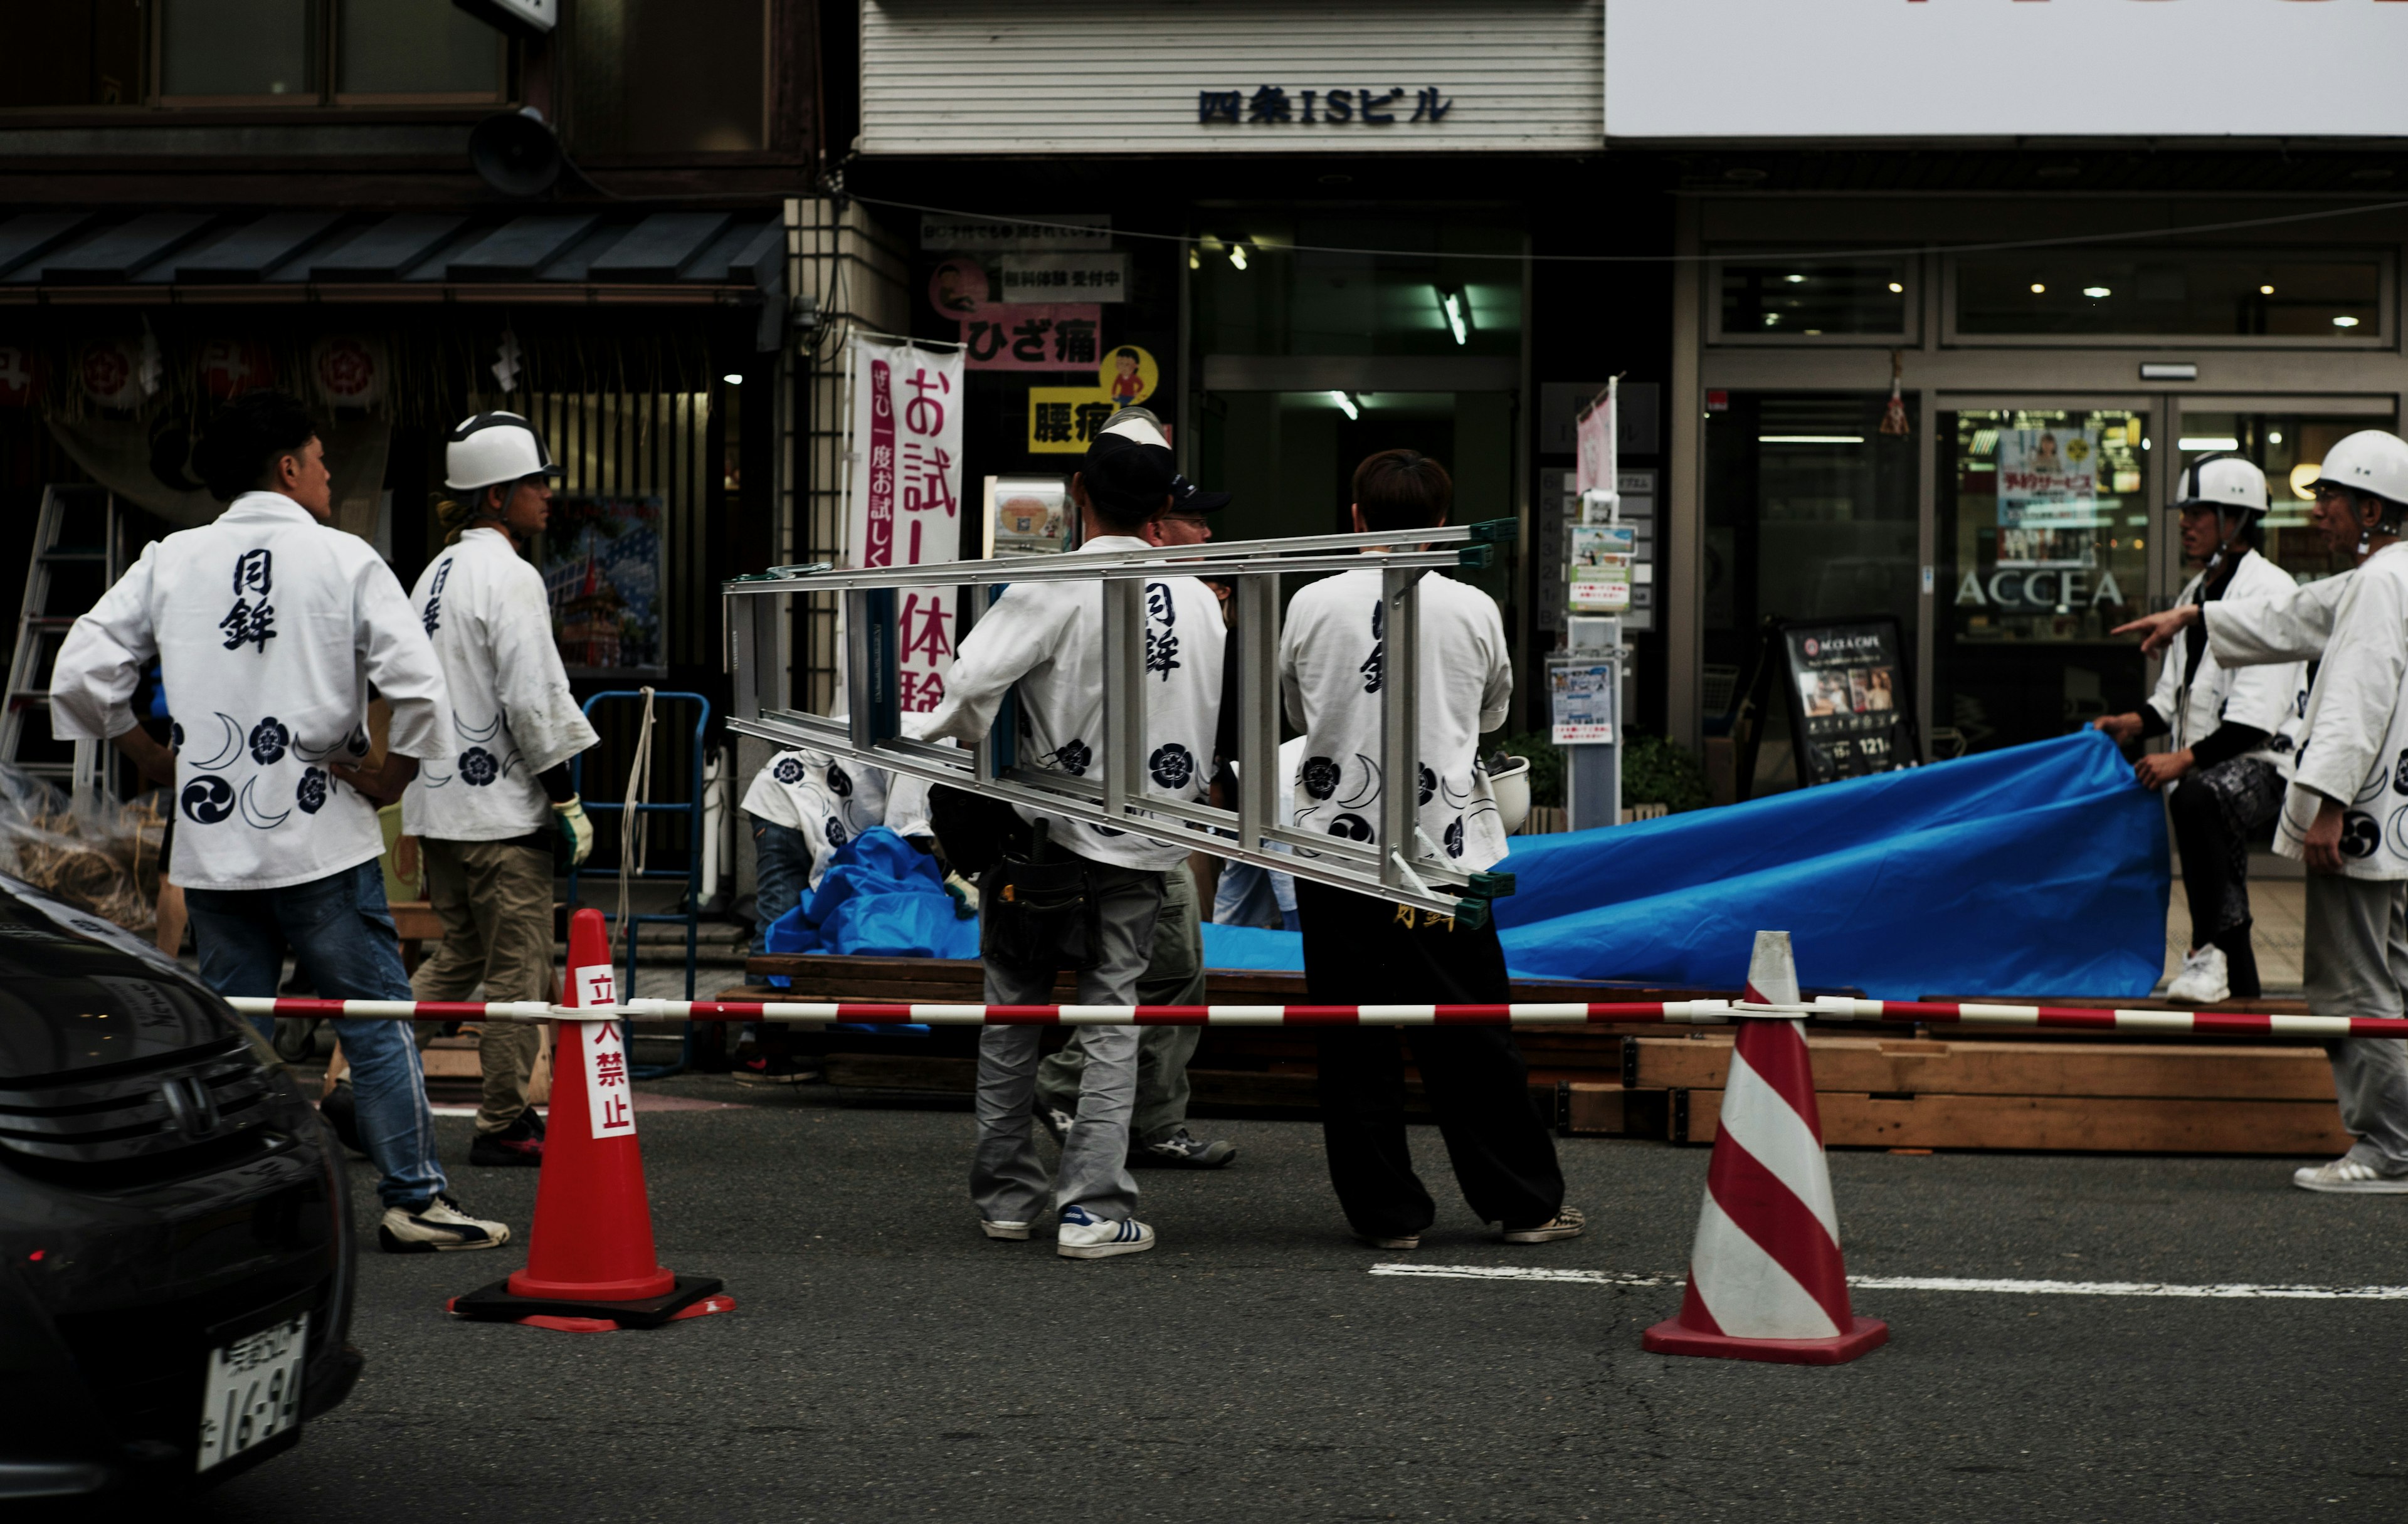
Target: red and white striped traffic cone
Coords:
[(1766, 1281)]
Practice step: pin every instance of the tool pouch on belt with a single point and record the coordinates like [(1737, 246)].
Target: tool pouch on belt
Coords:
[(1039, 914)]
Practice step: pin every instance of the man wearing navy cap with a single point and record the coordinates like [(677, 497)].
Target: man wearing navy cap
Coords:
[(1174, 970), (1093, 893)]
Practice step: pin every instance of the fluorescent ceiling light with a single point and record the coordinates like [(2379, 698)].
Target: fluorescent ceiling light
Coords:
[(2095, 292), (1238, 255), (1458, 312), (2209, 441), (2039, 290), (1795, 279), (1810, 439), (1347, 404), (1896, 289), (2344, 321), (733, 380), (2265, 290)]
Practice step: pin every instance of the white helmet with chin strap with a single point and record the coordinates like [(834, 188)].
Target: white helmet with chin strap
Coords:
[(492, 450), (2375, 462), (2229, 486)]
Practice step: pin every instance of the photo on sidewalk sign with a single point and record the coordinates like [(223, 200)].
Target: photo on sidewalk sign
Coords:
[(1026, 516), (1846, 718)]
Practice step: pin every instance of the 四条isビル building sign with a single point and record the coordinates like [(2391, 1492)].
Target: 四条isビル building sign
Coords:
[(1274, 103)]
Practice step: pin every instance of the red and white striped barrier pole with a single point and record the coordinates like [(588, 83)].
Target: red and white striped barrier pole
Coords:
[(1824, 1009), (1698, 1012)]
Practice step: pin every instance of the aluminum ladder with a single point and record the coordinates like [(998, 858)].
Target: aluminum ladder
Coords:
[(79, 525), (1407, 868)]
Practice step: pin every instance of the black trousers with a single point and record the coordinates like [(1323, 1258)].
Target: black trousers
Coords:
[(2214, 810), (1362, 951)]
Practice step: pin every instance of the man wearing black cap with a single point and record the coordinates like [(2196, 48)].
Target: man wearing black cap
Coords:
[(1043, 641), (1174, 970)]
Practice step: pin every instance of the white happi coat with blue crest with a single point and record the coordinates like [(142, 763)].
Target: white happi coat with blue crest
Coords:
[(512, 715), (270, 629)]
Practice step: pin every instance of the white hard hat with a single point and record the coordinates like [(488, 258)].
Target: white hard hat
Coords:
[(2223, 482), (2369, 460), (491, 448)]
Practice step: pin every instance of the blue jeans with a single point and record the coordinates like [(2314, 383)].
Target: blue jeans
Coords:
[(1248, 895), (342, 936), (784, 859)]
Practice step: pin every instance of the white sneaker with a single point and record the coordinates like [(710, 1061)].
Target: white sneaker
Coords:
[(434, 1226), (2346, 1175), (2201, 981), (1004, 1230), (1084, 1235)]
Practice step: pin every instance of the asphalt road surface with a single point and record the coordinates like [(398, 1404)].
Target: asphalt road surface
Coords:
[(885, 1362)]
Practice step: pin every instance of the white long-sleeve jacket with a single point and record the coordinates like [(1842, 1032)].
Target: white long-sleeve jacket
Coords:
[(828, 800), (271, 628), (512, 715), (2356, 747), (2276, 625), (1046, 640), (1333, 666), (2270, 697)]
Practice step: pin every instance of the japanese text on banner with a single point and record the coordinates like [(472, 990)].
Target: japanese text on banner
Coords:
[(906, 507)]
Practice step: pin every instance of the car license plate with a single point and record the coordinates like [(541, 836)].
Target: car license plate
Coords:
[(253, 1390)]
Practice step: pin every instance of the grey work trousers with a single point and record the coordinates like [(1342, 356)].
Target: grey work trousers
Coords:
[(1007, 1181), (1174, 975), (2356, 963)]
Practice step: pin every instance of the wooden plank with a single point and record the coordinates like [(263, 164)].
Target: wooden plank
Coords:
[(1905, 1067), (1597, 1108), (2055, 1123)]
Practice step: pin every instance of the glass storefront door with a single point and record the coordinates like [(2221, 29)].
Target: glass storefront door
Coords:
[(2289, 443), (2044, 519)]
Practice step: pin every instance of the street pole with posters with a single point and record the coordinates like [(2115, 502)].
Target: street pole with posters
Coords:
[(1585, 680)]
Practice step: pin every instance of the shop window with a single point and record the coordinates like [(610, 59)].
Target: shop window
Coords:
[(2289, 447), (73, 52), (2103, 293), (2044, 519), (315, 51), (668, 75), (386, 48), (1786, 299), (1264, 283), (1810, 514)]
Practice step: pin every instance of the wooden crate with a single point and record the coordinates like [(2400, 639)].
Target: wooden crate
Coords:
[(2044, 1096)]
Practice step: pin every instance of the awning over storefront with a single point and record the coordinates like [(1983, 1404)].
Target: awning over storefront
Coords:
[(555, 255)]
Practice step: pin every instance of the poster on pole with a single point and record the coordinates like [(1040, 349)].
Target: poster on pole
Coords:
[(905, 505)]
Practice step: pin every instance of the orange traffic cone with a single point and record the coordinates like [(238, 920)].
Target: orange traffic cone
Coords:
[(1766, 1280), (590, 1260)]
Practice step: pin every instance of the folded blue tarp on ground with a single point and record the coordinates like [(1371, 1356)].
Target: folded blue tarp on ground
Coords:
[(2039, 869), (880, 897)]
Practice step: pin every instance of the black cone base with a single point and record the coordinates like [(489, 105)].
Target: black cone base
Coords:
[(496, 1304)]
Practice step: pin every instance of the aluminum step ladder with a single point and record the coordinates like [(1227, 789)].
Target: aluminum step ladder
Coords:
[(80, 526)]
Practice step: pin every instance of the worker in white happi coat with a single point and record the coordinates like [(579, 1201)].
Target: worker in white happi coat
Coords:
[(1359, 950), (1080, 896), (2231, 729), (270, 627), (2345, 814), (488, 814)]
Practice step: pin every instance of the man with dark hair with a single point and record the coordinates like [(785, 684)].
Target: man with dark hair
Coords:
[(1045, 641), (1362, 950), (269, 627), (1174, 969)]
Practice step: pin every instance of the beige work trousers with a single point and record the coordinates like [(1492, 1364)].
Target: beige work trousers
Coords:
[(494, 899)]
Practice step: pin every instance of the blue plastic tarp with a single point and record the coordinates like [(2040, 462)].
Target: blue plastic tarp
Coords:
[(2039, 869), (2035, 870), (880, 897)]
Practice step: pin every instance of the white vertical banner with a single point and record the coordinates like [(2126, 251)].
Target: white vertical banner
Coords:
[(601, 1056), (1593, 439), (907, 492)]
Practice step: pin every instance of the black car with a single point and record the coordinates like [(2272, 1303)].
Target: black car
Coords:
[(175, 1259)]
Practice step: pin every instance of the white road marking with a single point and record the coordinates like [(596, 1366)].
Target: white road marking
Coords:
[(2239, 1291)]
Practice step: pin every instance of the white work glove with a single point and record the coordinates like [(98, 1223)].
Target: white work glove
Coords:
[(575, 829)]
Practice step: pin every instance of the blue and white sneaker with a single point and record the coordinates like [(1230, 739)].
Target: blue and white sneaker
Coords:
[(1084, 1235)]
